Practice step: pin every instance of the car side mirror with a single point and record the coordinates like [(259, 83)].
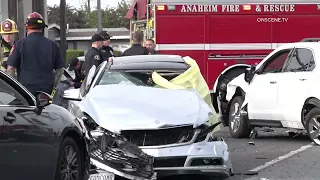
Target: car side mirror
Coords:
[(42, 99), (249, 73), (72, 95)]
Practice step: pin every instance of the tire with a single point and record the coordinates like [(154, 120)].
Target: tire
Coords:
[(313, 114), (241, 129), (69, 145)]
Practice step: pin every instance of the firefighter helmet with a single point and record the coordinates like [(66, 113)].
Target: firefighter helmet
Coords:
[(35, 21), (8, 26)]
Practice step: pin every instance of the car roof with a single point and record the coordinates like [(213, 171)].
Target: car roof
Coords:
[(313, 45), (149, 62), (81, 58), (148, 58)]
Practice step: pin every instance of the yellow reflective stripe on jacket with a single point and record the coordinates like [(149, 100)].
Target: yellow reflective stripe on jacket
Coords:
[(5, 49)]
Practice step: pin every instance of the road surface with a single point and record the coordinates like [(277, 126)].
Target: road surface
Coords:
[(267, 147)]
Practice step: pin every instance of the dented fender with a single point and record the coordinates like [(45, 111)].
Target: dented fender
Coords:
[(234, 84)]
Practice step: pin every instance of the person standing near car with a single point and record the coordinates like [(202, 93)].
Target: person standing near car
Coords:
[(76, 65), (8, 30), (93, 56), (150, 45), (106, 51), (36, 59), (137, 48)]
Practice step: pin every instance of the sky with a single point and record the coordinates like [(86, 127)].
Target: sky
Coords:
[(78, 3)]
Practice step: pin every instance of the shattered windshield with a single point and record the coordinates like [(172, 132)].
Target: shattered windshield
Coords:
[(117, 77)]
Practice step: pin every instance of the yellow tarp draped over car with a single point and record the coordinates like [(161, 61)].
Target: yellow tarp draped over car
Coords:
[(191, 78)]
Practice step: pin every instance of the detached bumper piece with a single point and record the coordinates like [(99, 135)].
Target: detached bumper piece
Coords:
[(122, 156)]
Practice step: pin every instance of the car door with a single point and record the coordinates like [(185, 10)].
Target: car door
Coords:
[(263, 90), (27, 148), (294, 87)]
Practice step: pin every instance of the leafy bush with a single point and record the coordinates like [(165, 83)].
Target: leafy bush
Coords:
[(73, 53), (117, 53)]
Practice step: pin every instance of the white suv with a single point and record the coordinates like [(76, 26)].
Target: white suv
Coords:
[(282, 91)]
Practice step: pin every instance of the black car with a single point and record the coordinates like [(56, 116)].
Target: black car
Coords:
[(38, 140)]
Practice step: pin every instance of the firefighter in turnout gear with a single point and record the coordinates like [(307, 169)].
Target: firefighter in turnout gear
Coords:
[(8, 31), (36, 59)]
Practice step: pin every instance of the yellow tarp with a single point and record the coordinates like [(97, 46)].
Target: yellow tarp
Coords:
[(191, 78)]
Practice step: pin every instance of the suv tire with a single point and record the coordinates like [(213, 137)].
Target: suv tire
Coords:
[(238, 124), (313, 125)]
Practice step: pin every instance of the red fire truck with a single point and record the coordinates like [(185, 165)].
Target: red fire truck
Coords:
[(224, 37)]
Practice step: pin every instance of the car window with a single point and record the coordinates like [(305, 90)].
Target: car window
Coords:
[(276, 62), (116, 77), (10, 96), (301, 60)]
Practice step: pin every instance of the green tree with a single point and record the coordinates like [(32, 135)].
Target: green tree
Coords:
[(76, 18), (112, 17)]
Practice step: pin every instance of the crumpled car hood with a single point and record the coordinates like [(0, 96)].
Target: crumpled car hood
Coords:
[(126, 107)]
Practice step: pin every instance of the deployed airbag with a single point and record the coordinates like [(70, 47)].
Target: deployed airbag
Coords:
[(190, 79)]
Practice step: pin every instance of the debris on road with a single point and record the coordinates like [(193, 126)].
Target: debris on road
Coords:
[(254, 133), (295, 133), (251, 143), (267, 130), (251, 173), (261, 158)]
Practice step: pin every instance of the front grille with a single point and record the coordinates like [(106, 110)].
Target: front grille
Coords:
[(170, 162), (122, 156), (159, 136)]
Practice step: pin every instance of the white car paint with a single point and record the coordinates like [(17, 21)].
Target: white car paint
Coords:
[(280, 96), (234, 84), (109, 106), (128, 107)]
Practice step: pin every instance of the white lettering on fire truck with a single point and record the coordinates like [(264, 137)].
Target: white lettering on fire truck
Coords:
[(275, 8), (199, 8), (210, 8), (267, 20), (236, 8)]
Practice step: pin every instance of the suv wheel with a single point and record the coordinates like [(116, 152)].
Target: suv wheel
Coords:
[(238, 124), (70, 162), (313, 125)]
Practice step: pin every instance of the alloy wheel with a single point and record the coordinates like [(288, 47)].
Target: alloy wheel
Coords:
[(235, 117), (69, 164), (314, 129)]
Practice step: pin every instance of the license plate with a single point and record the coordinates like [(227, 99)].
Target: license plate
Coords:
[(102, 176)]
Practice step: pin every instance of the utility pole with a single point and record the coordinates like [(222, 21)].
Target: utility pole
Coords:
[(89, 7), (12, 10), (99, 16), (21, 20), (63, 41)]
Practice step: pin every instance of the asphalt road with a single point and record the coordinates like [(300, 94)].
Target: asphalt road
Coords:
[(248, 154)]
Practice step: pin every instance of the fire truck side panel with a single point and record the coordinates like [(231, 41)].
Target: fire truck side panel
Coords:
[(231, 36), (182, 35), (296, 27), (178, 29), (232, 29)]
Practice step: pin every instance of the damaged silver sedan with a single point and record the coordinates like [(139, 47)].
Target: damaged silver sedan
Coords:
[(166, 130)]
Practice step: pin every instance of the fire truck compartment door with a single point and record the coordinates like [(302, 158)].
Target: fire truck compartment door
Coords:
[(291, 28), (232, 36)]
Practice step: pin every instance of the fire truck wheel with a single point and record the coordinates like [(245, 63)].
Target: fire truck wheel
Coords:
[(238, 124)]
